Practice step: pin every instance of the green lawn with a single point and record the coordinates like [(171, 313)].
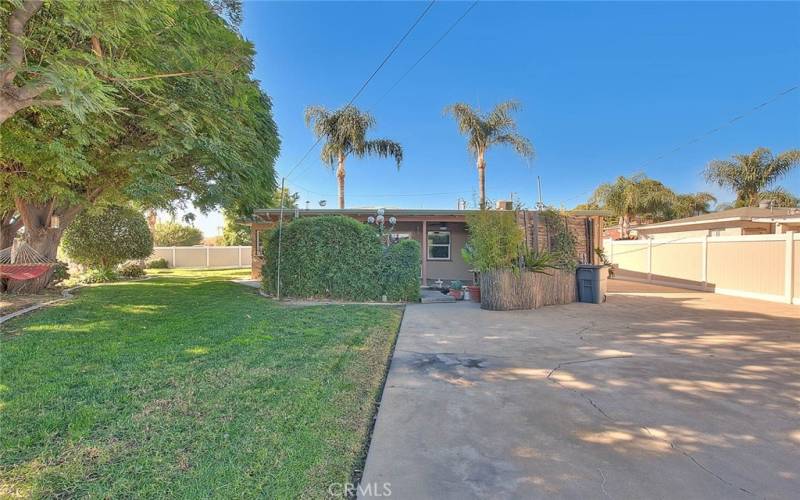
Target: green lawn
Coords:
[(187, 385)]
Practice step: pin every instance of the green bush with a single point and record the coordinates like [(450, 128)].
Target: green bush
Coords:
[(131, 270), (400, 271), (101, 240), (495, 240), (60, 273), (157, 264), (329, 256), (173, 234), (101, 275)]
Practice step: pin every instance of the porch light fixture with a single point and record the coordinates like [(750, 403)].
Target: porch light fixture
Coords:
[(379, 219)]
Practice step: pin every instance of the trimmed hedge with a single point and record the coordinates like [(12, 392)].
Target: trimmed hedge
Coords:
[(330, 256), (341, 258), (400, 271)]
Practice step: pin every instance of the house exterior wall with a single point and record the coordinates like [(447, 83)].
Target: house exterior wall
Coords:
[(257, 262), (587, 232)]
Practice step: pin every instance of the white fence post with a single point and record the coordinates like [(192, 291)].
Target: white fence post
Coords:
[(174, 260), (208, 256), (650, 259), (704, 265), (788, 275), (611, 252)]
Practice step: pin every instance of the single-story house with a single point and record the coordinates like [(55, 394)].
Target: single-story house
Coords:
[(441, 234), (734, 222)]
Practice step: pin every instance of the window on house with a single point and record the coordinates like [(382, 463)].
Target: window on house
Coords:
[(259, 252), (438, 245)]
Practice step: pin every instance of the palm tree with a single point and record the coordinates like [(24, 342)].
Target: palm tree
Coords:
[(750, 174), (689, 205), (344, 131), (484, 130), (637, 196), (780, 197)]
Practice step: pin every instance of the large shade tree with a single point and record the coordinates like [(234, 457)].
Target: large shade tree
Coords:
[(751, 175), (484, 130), (149, 101), (629, 198), (345, 134)]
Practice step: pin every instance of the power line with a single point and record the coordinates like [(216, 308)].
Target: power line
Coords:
[(706, 134), (364, 85), (430, 49), (419, 60), (383, 195), (717, 129)]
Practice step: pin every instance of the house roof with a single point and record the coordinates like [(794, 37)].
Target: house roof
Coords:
[(397, 212), (732, 215)]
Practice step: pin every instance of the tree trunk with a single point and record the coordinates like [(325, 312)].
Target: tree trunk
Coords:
[(43, 238), (625, 226), (482, 180), (340, 173), (152, 219), (9, 226)]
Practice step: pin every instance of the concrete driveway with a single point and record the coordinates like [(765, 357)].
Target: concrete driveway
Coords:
[(659, 393)]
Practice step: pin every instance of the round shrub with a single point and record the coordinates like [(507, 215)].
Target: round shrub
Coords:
[(329, 256), (158, 264), (101, 240), (400, 271), (131, 270)]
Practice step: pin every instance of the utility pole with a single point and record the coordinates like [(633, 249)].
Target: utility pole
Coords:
[(280, 241), (539, 204)]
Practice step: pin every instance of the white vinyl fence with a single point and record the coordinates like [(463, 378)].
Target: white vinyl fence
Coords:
[(763, 267), (204, 256)]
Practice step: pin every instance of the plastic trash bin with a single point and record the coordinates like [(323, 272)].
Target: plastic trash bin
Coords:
[(592, 283)]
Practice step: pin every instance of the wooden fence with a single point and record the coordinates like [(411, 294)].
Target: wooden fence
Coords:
[(509, 290), (763, 267), (204, 257)]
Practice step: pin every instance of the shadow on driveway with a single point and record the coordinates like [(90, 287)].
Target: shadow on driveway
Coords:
[(655, 394)]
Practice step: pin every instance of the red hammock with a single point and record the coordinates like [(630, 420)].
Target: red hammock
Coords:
[(23, 272)]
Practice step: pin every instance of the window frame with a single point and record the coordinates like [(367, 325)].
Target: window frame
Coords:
[(430, 245), (259, 251)]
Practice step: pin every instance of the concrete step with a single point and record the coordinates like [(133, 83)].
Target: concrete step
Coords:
[(435, 297)]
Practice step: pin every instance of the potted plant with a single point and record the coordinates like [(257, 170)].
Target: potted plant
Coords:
[(474, 290), (456, 290)]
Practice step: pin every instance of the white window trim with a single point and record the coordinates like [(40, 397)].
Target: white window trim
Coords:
[(259, 251), (448, 245)]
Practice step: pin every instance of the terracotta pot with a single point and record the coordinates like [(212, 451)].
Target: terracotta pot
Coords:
[(456, 294), (474, 293)]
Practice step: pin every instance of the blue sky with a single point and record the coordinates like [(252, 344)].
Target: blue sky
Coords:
[(606, 88)]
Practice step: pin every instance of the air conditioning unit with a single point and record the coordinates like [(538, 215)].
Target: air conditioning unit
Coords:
[(504, 205)]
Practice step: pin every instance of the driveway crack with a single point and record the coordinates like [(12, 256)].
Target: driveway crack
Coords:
[(672, 444)]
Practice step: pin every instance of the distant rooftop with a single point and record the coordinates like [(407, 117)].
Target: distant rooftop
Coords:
[(734, 214)]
